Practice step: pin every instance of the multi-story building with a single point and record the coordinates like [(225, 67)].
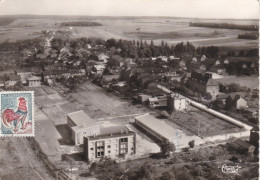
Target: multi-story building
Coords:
[(81, 125), (177, 103), (112, 142)]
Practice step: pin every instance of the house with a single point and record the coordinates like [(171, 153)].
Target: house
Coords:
[(226, 61), (217, 63), (88, 46), (159, 101), (108, 79), (102, 57), (130, 63), (240, 102), (80, 125), (112, 142), (203, 58), (177, 103), (213, 75), (182, 65), (201, 82), (23, 73), (218, 69), (120, 85), (98, 69), (163, 58), (172, 73), (242, 146), (194, 59), (173, 58), (33, 81), (13, 80), (143, 98)]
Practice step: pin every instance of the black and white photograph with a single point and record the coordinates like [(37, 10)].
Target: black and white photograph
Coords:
[(129, 89)]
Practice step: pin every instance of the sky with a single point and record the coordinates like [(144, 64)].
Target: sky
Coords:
[(237, 9)]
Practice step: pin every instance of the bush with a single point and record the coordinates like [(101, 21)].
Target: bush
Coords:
[(192, 144)]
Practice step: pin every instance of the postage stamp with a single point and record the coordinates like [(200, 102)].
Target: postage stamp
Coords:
[(17, 113)]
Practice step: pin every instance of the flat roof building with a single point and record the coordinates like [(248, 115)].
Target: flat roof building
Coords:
[(81, 125), (112, 142), (156, 127)]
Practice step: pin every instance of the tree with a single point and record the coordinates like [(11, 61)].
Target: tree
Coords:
[(167, 147), (191, 143), (106, 168), (230, 104), (166, 176), (144, 173)]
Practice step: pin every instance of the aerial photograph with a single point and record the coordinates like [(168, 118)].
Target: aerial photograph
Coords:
[(129, 90)]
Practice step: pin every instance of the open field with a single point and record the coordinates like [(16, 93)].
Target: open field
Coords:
[(202, 123), (171, 30)]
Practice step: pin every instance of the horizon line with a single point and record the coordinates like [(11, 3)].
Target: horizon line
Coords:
[(160, 16)]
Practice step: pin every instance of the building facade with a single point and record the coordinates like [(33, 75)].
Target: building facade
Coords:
[(33, 81), (177, 103), (111, 142)]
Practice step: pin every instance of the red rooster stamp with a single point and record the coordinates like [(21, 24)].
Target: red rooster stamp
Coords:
[(17, 114)]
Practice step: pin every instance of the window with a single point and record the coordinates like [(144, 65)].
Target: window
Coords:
[(115, 140), (100, 148), (109, 152), (91, 149), (124, 140), (109, 141), (123, 146), (108, 146)]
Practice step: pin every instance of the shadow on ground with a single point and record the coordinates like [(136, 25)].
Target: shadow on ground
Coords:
[(65, 133)]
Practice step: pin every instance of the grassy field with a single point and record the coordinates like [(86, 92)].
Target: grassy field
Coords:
[(171, 30), (201, 123)]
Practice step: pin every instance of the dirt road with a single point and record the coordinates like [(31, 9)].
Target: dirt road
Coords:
[(18, 161)]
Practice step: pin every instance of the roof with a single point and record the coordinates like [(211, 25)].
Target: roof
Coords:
[(241, 143), (80, 118), (157, 125), (110, 77), (222, 96), (34, 78), (14, 78), (111, 131), (212, 82), (105, 130)]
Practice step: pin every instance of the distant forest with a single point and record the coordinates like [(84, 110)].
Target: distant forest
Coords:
[(226, 26), (5, 21), (80, 23), (252, 36)]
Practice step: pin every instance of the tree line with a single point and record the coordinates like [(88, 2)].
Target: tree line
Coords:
[(252, 36), (226, 26), (141, 49)]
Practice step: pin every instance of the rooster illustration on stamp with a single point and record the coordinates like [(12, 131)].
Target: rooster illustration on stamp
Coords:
[(17, 118)]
